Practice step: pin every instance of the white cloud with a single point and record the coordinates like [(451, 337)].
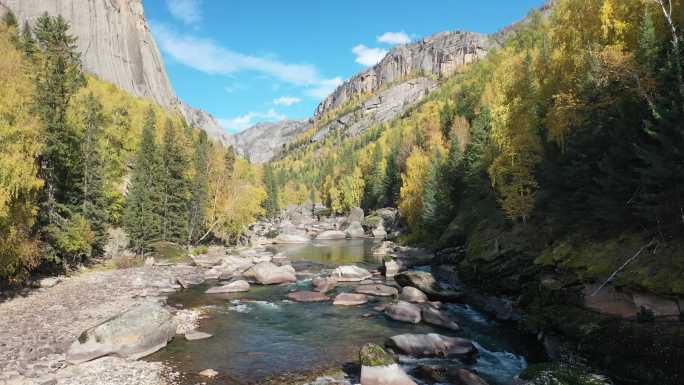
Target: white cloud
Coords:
[(286, 101), (368, 56), (207, 56), (242, 122), (187, 11), (394, 38), (324, 88), (235, 87)]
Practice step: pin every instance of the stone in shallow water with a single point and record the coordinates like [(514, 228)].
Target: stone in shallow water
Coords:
[(195, 335), (266, 273), (307, 296), (411, 294), (209, 373), (350, 299), (233, 287), (431, 345), (404, 312), (350, 273), (439, 318), (323, 284), (331, 234), (377, 290)]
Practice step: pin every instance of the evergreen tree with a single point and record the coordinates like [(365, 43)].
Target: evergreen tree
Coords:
[(446, 119), (142, 217), (271, 202), (374, 181), (28, 43), (174, 187), (200, 185), (57, 79), (392, 180), (93, 202), (452, 175)]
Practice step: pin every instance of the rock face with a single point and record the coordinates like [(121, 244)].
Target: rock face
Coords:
[(117, 46), (135, 333), (440, 54), (379, 108), (431, 345), (264, 141)]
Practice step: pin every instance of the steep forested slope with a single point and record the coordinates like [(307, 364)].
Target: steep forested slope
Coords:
[(72, 149), (541, 171)]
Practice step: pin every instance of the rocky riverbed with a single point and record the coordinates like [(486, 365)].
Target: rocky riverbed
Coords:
[(318, 301)]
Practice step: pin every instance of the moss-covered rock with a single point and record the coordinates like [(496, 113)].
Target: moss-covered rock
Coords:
[(374, 355)]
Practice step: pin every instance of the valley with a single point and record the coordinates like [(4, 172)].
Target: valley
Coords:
[(469, 209)]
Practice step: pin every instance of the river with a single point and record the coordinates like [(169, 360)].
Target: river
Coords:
[(260, 334)]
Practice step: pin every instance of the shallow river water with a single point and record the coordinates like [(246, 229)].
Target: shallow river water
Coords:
[(260, 334)]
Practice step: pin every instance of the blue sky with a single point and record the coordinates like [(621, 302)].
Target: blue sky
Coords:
[(249, 61)]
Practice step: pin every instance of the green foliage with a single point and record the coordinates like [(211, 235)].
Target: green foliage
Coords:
[(199, 189), (559, 374), (143, 216), (174, 187), (93, 200)]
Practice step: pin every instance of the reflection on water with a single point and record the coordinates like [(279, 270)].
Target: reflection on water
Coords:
[(260, 334)]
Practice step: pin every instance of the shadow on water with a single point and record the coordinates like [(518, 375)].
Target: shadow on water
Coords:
[(260, 334)]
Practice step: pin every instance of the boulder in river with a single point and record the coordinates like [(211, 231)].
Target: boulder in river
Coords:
[(350, 299), (331, 235), (379, 232), (411, 294), (438, 318), (266, 273), (431, 345), (378, 367), (427, 284), (291, 239), (307, 296), (404, 312), (377, 290), (323, 284), (137, 332), (233, 287), (350, 273), (355, 230), (194, 335), (355, 215)]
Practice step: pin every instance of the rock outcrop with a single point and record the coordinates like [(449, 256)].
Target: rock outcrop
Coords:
[(440, 54), (117, 46), (262, 142)]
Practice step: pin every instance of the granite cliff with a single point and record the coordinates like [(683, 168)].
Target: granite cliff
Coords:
[(117, 46)]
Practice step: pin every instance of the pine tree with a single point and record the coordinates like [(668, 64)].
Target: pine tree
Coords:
[(58, 78), (200, 185), (446, 119), (174, 187), (93, 202), (28, 43), (374, 186), (392, 179), (142, 217)]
